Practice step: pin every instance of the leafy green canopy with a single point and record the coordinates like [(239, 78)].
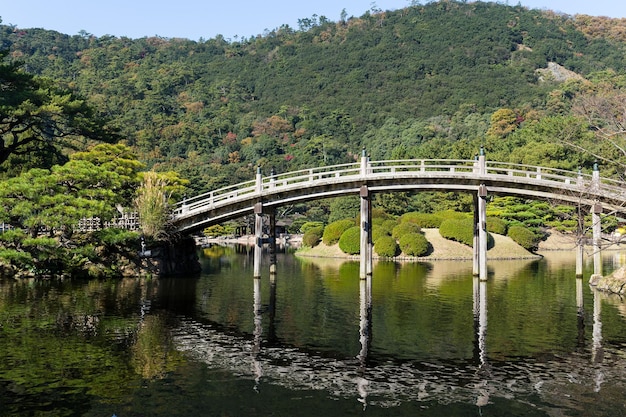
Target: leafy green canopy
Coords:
[(44, 207), (423, 81), (38, 121)]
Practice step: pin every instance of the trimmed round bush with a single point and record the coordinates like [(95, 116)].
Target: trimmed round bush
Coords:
[(386, 246), (350, 241), (523, 237), (378, 232), (414, 244), (424, 220), (312, 236), (334, 230), (458, 230), (405, 228), (496, 225), (388, 225), (310, 225)]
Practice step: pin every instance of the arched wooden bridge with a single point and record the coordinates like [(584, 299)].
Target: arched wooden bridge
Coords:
[(499, 178), (482, 177)]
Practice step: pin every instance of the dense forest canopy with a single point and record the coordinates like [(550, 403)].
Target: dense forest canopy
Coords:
[(433, 81)]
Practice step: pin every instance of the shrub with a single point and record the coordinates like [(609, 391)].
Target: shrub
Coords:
[(350, 241), (496, 225), (388, 225), (379, 214), (424, 220), (458, 230), (310, 225), (451, 215), (404, 228), (296, 226), (217, 230), (386, 246), (378, 232), (312, 236), (414, 244), (333, 231), (523, 237)]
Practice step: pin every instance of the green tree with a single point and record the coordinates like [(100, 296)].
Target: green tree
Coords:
[(45, 206), (38, 118)]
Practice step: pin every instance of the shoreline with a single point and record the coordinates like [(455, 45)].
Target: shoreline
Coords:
[(442, 249)]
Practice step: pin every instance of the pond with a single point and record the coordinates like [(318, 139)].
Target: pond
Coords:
[(422, 339)]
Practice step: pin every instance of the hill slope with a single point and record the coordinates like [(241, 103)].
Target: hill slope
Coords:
[(426, 76)]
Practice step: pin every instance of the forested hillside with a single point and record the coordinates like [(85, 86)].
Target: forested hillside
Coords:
[(435, 80)]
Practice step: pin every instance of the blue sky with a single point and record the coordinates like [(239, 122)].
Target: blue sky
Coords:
[(194, 19)]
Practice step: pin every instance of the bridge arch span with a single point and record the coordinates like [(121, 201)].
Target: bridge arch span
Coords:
[(499, 178)]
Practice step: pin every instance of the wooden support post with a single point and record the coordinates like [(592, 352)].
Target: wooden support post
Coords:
[(580, 238), (482, 231), (366, 227), (580, 252), (597, 237), (272, 242), (475, 255), (258, 241), (370, 245)]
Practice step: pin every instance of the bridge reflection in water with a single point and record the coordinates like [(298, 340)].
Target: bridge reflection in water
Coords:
[(560, 378)]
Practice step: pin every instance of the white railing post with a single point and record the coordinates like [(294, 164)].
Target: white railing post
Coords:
[(595, 177), (273, 178), (579, 178), (259, 180), (184, 208), (364, 163), (481, 161)]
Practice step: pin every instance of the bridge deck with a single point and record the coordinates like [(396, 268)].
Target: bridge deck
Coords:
[(398, 175)]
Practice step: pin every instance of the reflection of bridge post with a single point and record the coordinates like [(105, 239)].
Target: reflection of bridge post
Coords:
[(366, 233), (258, 330), (597, 352), (271, 332), (480, 348), (365, 328), (480, 321)]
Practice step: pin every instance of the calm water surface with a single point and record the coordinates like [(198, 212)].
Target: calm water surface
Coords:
[(423, 339)]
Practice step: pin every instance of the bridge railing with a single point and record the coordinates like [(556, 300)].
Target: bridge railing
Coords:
[(310, 175), (538, 173), (210, 198), (422, 166), (451, 167)]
